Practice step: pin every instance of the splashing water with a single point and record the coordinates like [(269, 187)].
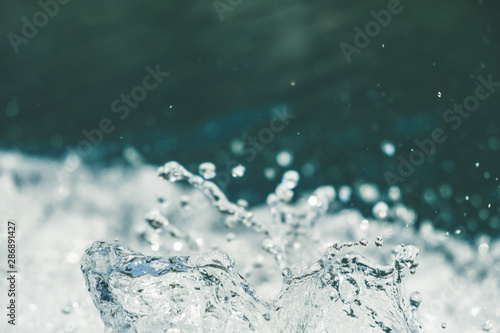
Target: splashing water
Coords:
[(269, 269), (136, 293), (342, 291)]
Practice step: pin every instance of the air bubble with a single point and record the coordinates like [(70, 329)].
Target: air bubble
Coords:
[(184, 201), (487, 326), (156, 220), (415, 299)]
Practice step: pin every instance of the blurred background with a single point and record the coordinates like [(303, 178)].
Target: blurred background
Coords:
[(233, 65)]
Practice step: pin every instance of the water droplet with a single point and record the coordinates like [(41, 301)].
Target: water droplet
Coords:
[(284, 193), (272, 200), (173, 172), (313, 200), (231, 222), (380, 210), (477, 164), (369, 193), (388, 148), (439, 94), (177, 246), (363, 242), (291, 179), (242, 203), (156, 219), (237, 146), (284, 158), (394, 193), (483, 249), (308, 170), (238, 171), (326, 193), (444, 325), (270, 173), (379, 241), (364, 224), (207, 170), (195, 180), (345, 193)]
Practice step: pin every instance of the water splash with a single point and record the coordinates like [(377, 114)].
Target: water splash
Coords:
[(174, 172), (457, 281), (290, 224), (342, 289), (342, 292)]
